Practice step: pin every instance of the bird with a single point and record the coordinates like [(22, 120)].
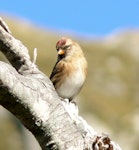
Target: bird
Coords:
[(69, 72)]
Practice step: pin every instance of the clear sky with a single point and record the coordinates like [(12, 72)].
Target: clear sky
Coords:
[(86, 17)]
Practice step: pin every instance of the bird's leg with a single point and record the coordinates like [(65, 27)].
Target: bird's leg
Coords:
[(71, 107), (73, 102), (66, 100)]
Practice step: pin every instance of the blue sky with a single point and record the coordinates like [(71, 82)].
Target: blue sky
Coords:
[(86, 17)]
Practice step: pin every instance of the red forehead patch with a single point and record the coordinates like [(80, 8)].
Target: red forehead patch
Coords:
[(61, 43)]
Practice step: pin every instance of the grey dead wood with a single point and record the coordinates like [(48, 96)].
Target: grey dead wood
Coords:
[(29, 95)]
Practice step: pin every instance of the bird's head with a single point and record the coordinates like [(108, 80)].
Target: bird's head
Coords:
[(63, 47)]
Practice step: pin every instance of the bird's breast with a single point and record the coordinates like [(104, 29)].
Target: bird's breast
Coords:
[(72, 83)]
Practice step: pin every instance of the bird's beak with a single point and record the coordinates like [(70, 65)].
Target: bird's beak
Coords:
[(61, 52)]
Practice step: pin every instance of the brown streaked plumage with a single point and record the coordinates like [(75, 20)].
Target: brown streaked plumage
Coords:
[(69, 72)]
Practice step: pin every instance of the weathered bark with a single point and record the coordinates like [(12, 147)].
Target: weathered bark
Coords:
[(30, 96)]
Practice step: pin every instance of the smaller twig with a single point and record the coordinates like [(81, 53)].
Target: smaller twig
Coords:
[(35, 56), (4, 25)]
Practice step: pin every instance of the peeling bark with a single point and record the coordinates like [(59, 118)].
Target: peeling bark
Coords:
[(30, 96)]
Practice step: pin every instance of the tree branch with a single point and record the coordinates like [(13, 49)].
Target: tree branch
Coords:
[(30, 96)]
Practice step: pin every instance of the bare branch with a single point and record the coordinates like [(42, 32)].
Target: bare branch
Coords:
[(30, 96)]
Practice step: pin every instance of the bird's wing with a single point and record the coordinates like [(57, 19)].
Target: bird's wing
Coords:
[(55, 76)]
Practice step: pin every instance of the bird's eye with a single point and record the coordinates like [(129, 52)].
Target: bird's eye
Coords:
[(57, 48), (67, 47)]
